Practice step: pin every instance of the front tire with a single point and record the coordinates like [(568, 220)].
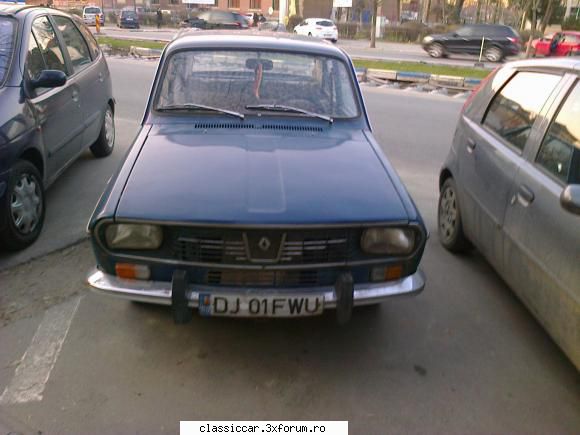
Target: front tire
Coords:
[(106, 140), (449, 220), (23, 207)]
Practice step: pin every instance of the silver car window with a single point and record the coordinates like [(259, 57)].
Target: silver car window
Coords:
[(514, 109), (562, 142), (48, 44)]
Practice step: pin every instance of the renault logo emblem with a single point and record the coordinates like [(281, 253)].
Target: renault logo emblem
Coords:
[(264, 244)]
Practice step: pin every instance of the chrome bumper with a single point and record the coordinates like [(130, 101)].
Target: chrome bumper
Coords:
[(159, 292)]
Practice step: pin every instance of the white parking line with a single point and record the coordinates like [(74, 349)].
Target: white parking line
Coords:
[(35, 367)]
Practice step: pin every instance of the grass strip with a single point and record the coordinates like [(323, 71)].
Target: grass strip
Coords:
[(121, 44), (125, 44), (456, 71)]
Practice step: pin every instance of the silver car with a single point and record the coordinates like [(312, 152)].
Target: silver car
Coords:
[(511, 187)]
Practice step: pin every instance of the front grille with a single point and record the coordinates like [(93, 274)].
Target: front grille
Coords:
[(264, 278), (294, 247)]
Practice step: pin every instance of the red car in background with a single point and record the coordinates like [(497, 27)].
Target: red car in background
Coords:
[(560, 44)]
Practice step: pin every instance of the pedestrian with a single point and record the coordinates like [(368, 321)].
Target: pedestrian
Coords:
[(159, 18), (255, 19)]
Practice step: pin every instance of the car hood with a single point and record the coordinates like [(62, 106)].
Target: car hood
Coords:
[(183, 174)]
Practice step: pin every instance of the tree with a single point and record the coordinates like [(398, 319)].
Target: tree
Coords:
[(456, 13), (375, 10)]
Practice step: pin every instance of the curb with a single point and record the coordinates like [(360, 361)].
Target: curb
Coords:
[(149, 53), (365, 74), (382, 76)]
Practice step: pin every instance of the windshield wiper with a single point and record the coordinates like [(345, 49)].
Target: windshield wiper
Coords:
[(290, 109), (194, 107)]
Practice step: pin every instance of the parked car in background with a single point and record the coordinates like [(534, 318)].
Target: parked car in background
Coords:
[(255, 188), (128, 19), (272, 26), (511, 187), (250, 18), (192, 22), (565, 43), (318, 28), (56, 101), (499, 41), (218, 19), (93, 13)]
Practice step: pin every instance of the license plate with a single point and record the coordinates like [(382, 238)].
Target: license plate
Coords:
[(260, 306)]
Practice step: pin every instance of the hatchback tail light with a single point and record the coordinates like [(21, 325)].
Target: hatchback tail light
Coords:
[(513, 40)]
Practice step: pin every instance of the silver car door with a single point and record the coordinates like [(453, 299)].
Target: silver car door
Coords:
[(491, 155), (542, 245)]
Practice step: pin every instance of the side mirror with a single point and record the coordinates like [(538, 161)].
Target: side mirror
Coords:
[(49, 78), (455, 34), (570, 198)]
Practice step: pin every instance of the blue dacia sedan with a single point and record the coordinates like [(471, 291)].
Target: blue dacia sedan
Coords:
[(255, 188)]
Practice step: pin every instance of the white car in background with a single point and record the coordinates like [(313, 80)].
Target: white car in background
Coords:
[(318, 28), (91, 14)]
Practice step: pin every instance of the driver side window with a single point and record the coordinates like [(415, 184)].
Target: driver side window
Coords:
[(34, 60), (48, 44)]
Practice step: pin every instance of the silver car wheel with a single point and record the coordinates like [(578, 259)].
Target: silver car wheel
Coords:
[(26, 204), (109, 128), (448, 214)]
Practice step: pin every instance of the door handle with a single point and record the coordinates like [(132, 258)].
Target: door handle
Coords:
[(471, 144), (525, 195), (75, 95)]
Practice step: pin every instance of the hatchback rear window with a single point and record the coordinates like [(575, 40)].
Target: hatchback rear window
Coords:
[(7, 30), (325, 23), (92, 11)]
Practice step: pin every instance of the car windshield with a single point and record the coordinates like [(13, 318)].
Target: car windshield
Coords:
[(241, 80), (6, 45), (92, 11)]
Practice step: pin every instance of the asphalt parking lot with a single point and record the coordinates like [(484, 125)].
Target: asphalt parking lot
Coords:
[(464, 356)]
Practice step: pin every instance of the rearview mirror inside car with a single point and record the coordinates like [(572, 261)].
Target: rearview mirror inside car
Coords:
[(570, 198), (267, 64), (49, 79)]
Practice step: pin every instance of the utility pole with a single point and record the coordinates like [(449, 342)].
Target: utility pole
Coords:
[(533, 29)]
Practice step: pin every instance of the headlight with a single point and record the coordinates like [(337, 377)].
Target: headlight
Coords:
[(393, 241), (133, 236), (427, 39)]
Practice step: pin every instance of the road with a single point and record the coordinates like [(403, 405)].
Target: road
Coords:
[(355, 48), (465, 356)]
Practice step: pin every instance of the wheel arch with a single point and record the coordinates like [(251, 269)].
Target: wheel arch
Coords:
[(34, 156), (443, 176)]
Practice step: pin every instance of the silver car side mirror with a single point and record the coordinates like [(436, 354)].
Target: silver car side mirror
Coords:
[(570, 198)]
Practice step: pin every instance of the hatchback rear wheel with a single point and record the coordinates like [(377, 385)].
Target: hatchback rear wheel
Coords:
[(493, 54), (449, 223), (435, 50), (106, 140)]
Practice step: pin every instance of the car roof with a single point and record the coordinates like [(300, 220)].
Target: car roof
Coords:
[(13, 9), (562, 63), (259, 40)]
